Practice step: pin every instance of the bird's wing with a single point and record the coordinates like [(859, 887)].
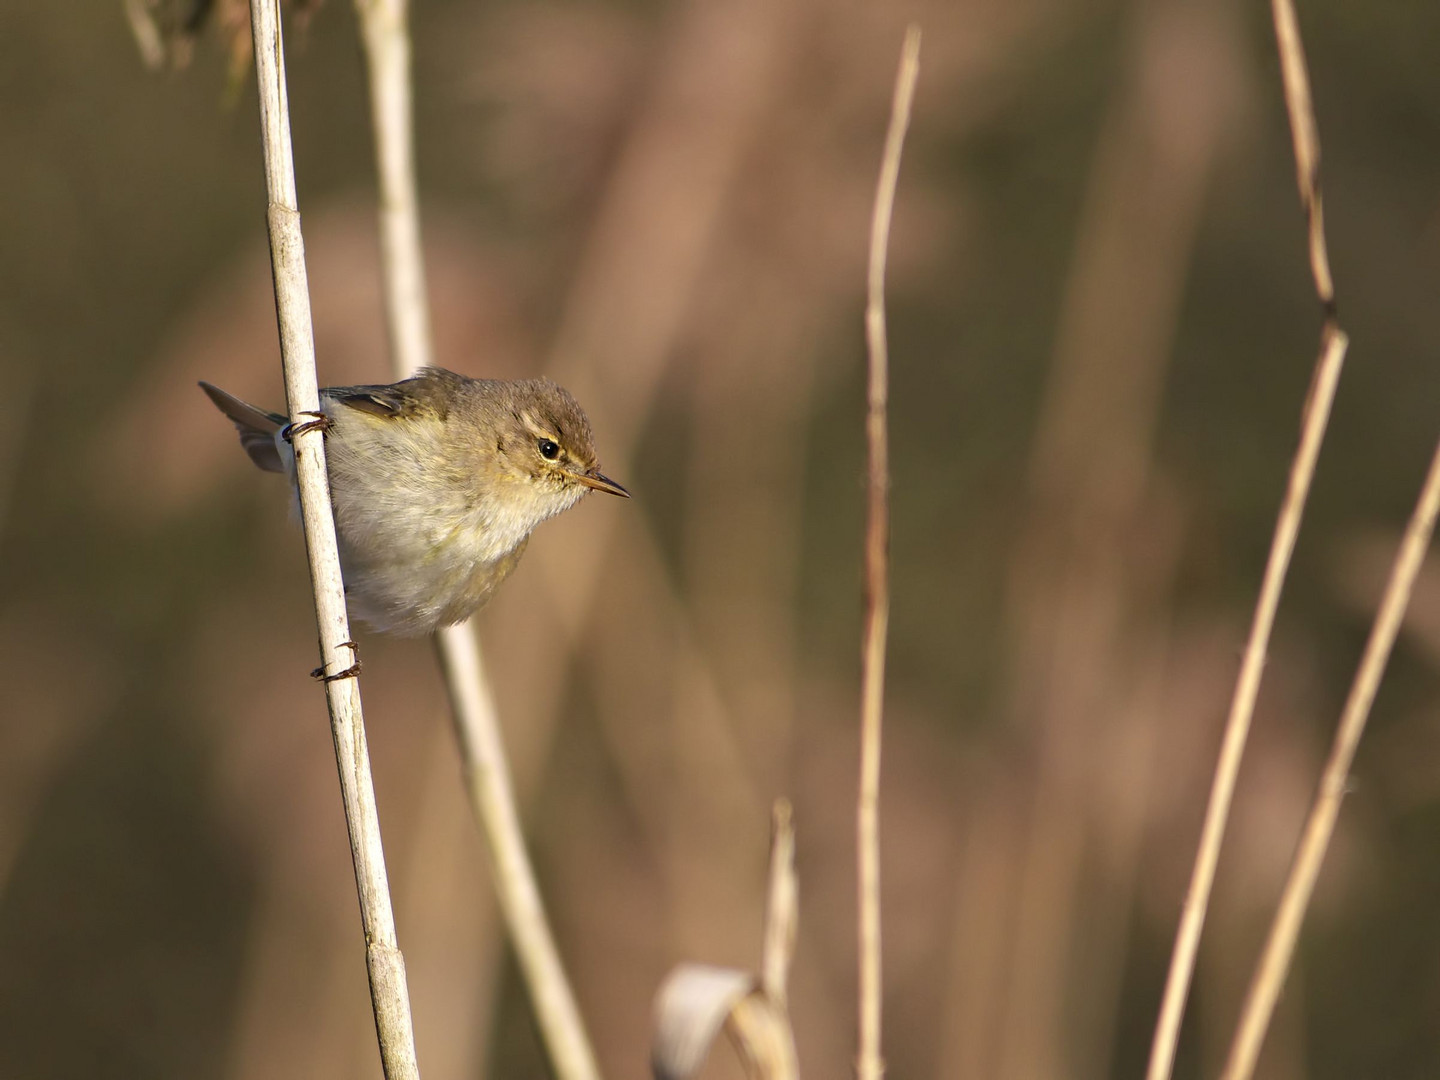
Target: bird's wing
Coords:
[(378, 400), (422, 393)]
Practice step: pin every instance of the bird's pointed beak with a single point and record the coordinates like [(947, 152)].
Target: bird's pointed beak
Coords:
[(600, 482)]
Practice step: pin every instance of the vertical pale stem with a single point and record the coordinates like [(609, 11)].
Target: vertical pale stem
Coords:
[(870, 1063), (1269, 975), (782, 917), (781, 906), (386, 39), (384, 962)]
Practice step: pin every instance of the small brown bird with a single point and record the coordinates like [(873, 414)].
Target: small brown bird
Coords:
[(437, 483)]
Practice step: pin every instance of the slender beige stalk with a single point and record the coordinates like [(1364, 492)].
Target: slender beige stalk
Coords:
[(1242, 709), (1305, 135), (869, 1062), (487, 782), (1269, 974), (385, 35), (1333, 344), (781, 906), (383, 960), (782, 916)]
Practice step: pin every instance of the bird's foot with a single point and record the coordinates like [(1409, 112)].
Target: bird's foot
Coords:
[(349, 673), (321, 423)]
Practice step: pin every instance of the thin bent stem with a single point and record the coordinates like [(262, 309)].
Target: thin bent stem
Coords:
[(1242, 709), (492, 799), (339, 669), (1333, 344), (385, 35), (1320, 825), (870, 1064)]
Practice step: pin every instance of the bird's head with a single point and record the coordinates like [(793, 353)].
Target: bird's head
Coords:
[(544, 450)]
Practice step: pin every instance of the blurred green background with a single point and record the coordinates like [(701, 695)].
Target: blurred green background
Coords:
[(1102, 330)]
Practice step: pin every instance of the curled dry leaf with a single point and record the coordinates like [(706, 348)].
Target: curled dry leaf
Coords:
[(697, 1000), (692, 1005)]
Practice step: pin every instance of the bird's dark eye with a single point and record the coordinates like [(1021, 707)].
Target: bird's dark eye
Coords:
[(549, 449)]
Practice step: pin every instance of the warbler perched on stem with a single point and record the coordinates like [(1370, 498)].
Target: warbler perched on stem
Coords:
[(437, 483)]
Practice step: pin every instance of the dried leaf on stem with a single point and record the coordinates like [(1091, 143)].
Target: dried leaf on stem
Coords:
[(697, 1000)]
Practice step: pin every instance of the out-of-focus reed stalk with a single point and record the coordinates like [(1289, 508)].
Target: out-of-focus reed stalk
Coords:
[(1333, 344), (339, 668), (870, 1063), (385, 35), (386, 39)]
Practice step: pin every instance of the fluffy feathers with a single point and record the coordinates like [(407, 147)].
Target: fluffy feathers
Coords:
[(437, 483)]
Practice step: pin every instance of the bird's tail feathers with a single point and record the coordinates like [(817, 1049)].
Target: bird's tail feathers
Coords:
[(257, 427)]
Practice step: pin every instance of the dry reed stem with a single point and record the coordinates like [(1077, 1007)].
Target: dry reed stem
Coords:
[(1320, 825), (384, 962), (782, 918), (781, 905), (1242, 709), (1333, 344), (492, 798), (1279, 949), (1306, 138), (870, 1064), (386, 40), (385, 36)]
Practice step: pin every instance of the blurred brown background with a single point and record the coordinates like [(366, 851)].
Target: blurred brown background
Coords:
[(1102, 328)]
